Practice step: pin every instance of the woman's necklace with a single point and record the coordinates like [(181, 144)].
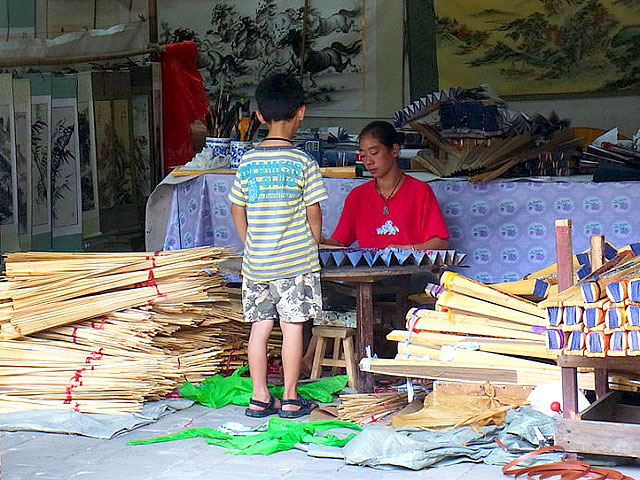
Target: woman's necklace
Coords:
[(385, 210), (280, 139)]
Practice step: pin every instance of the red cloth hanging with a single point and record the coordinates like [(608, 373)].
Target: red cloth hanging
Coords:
[(184, 100)]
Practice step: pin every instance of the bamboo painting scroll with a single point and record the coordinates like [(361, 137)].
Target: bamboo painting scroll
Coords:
[(66, 200), (88, 161), (40, 161), (8, 170), (22, 110)]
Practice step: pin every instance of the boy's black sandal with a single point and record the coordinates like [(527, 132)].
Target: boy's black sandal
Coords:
[(306, 407), (267, 408)]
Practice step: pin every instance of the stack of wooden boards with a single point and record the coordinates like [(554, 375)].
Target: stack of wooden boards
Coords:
[(103, 332), (475, 333), (599, 316)]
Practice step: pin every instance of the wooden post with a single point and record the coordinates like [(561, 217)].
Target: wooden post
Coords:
[(153, 21), (564, 254), (364, 315), (564, 259), (596, 253)]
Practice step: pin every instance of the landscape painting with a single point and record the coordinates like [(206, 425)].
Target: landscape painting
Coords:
[(539, 46)]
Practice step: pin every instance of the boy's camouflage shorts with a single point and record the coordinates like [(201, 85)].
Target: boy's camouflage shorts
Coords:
[(293, 300)]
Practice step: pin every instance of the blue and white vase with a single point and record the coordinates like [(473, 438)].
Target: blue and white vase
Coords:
[(238, 149)]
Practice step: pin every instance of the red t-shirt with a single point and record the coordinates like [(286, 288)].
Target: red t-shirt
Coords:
[(414, 216)]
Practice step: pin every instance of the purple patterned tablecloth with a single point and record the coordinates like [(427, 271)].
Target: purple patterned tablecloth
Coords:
[(505, 228)]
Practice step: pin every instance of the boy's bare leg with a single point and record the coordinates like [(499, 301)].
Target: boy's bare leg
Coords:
[(257, 353), (291, 358)]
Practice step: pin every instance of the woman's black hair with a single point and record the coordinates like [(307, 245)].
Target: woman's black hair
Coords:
[(384, 132)]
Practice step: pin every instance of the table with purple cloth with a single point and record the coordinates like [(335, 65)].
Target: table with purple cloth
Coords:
[(505, 228)]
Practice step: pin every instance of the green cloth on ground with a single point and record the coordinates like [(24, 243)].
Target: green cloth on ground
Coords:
[(281, 435), (218, 391)]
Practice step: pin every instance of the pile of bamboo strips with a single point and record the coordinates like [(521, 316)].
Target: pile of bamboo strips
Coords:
[(104, 332), (364, 408)]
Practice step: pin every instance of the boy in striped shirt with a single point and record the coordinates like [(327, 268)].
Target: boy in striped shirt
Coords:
[(276, 211)]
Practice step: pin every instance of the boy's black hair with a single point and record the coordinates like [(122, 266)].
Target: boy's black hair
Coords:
[(279, 96), (383, 132)]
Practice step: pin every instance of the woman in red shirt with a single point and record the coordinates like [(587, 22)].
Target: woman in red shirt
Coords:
[(393, 209)]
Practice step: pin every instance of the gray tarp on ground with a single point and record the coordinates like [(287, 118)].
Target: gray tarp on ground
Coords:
[(89, 424), (377, 446)]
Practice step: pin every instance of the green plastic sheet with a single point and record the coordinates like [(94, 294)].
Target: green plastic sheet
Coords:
[(281, 435), (218, 391)]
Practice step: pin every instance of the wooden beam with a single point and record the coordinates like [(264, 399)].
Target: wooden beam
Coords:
[(30, 61), (602, 438)]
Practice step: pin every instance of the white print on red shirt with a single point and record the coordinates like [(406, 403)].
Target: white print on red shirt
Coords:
[(387, 228)]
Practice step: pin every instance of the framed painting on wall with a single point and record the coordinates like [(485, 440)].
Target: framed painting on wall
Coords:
[(240, 43), (525, 47)]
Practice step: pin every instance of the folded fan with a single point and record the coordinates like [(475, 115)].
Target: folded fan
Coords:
[(618, 344), (633, 290), (555, 339), (575, 344), (633, 316), (597, 344), (615, 318), (591, 292), (554, 316), (592, 317), (617, 291), (572, 315)]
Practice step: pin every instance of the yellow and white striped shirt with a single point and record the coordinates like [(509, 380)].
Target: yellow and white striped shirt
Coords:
[(275, 185)]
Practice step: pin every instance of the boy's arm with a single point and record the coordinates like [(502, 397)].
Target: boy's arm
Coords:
[(239, 215), (314, 217)]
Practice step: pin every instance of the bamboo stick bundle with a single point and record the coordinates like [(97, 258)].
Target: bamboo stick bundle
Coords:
[(455, 321), (457, 283), (25, 297), (458, 371), (109, 258), (470, 357), (364, 408), (527, 348), (457, 301)]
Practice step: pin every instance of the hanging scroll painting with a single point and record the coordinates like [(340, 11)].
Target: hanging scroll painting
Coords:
[(8, 171), (88, 162), (242, 43), (40, 161), (66, 199), (539, 47), (22, 110)]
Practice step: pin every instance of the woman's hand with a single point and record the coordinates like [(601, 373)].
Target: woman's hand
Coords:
[(330, 241)]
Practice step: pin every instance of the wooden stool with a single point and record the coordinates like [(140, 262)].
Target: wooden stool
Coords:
[(348, 362)]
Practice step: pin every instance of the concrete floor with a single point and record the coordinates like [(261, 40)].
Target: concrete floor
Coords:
[(43, 456)]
